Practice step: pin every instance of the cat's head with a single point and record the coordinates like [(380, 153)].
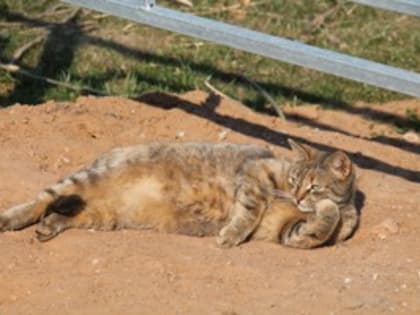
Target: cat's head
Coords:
[(316, 175)]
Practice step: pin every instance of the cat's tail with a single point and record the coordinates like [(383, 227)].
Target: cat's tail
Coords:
[(64, 197)]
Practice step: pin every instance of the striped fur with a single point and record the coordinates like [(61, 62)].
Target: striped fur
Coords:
[(236, 192)]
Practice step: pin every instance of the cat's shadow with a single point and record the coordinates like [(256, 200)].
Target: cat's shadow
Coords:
[(360, 198), (359, 201)]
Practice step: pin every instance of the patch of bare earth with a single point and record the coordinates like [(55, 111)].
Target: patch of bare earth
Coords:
[(136, 272)]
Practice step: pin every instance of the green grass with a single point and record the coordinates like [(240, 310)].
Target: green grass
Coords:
[(116, 59)]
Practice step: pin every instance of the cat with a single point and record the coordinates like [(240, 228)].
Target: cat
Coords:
[(235, 192)]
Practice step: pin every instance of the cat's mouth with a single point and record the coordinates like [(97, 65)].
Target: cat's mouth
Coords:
[(287, 195)]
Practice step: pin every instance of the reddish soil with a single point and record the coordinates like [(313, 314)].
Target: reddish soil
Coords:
[(136, 272)]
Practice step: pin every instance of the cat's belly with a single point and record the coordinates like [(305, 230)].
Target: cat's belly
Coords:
[(150, 202), (200, 208)]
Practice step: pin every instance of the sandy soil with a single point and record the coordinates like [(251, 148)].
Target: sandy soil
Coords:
[(135, 272)]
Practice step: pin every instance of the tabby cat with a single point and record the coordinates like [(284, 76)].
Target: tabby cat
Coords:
[(237, 192)]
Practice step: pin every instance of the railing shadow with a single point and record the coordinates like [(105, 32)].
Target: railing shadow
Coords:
[(55, 60), (401, 144), (251, 129), (3, 43)]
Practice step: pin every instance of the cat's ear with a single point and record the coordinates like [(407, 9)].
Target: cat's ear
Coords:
[(340, 165), (303, 151)]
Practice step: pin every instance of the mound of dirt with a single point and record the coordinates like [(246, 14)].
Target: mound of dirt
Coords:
[(136, 272)]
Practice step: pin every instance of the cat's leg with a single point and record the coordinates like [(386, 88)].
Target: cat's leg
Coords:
[(243, 223), (349, 223), (22, 215), (316, 230), (65, 194), (246, 215)]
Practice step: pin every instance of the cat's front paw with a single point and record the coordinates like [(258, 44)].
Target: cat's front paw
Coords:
[(327, 208), (228, 238)]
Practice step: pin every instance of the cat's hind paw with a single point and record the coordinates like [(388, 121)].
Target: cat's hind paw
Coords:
[(50, 227), (45, 233), (4, 224)]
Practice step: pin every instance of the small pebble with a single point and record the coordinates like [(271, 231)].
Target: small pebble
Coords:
[(95, 261), (347, 280), (411, 136), (223, 134), (353, 305), (375, 276), (385, 228), (180, 134), (171, 276)]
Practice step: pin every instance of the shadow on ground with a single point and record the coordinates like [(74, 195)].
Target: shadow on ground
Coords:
[(56, 59), (167, 101)]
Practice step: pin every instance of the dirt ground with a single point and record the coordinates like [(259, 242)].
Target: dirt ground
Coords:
[(136, 272)]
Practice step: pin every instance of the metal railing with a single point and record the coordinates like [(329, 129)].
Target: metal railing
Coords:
[(411, 7), (294, 52)]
